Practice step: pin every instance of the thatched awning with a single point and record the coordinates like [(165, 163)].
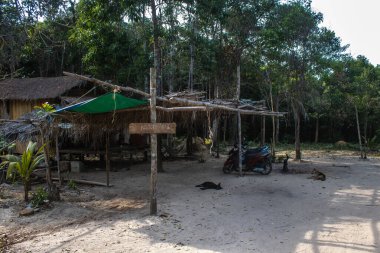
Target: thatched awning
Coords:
[(37, 88)]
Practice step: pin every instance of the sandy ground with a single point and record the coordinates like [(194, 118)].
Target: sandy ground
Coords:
[(254, 213)]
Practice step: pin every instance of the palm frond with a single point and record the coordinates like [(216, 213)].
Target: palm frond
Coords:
[(12, 168)]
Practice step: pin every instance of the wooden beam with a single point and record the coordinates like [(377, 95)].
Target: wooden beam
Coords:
[(153, 144), (81, 181), (184, 109)]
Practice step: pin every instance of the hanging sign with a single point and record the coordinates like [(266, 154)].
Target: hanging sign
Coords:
[(152, 128)]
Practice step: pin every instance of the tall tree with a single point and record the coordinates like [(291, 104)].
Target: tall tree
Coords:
[(305, 48)]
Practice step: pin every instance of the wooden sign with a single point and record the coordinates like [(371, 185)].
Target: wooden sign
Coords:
[(152, 128)]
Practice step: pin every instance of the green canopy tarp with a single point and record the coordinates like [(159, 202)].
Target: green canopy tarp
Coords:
[(105, 103)]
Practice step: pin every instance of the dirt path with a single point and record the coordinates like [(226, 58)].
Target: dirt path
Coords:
[(275, 213)]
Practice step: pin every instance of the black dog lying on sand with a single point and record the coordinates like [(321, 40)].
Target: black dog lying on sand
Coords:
[(209, 185)]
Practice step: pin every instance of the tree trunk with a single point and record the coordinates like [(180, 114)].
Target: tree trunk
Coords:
[(191, 69), (316, 130), (157, 65), (153, 145), (224, 129), (215, 131), (277, 121), (359, 135), (192, 24), (171, 72), (273, 118), (365, 135), (297, 136), (157, 50), (365, 126), (172, 37)]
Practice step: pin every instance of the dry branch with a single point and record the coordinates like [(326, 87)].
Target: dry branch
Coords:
[(176, 100)]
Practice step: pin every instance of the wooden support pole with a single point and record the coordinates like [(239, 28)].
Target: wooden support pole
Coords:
[(262, 141), (239, 144), (108, 163), (239, 121), (58, 161), (153, 144)]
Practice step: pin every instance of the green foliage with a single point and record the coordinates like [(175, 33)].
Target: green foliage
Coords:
[(24, 165), (5, 146), (39, 197), (372, 143), (45, 107), (72, 185)]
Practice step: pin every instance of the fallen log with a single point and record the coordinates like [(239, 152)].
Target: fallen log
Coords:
[(81, 181)]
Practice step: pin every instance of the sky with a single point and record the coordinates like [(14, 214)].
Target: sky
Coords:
[(356, 22)]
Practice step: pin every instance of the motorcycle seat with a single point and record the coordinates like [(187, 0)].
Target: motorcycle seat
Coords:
[(255, 150)]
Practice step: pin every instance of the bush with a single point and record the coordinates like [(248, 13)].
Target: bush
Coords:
[(72, 185), (39, 197)]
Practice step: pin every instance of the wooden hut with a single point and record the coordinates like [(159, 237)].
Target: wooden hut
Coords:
[(19, 96)]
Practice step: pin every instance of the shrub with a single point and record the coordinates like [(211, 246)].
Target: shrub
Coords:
[(72, 185), (39, 197)]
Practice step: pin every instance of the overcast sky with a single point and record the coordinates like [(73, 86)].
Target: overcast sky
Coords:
[(356, 22)]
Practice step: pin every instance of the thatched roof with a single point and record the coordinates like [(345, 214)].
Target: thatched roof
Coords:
[(37, 88)]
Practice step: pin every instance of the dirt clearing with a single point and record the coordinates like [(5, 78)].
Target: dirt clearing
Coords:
[(254, 213)]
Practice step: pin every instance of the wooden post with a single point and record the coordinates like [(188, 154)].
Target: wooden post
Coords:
[(262, 142), (239, 120), (153, 145), (108, 164), (58, 161), (239, 144)]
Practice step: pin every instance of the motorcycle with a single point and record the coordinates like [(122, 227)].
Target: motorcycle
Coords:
[(255, 160)]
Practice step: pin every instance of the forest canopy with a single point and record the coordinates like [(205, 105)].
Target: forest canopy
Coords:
[(283, 52)]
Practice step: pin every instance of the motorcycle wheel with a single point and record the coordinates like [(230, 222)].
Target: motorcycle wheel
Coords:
[(227, 169), (267, 167)]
